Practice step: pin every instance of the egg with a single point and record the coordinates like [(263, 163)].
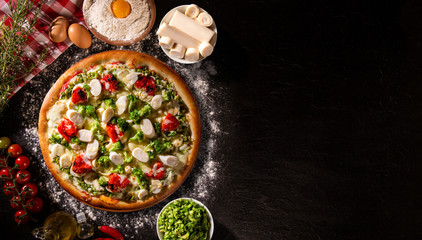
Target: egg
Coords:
[(58, 29), (121, 8), (79, 35)]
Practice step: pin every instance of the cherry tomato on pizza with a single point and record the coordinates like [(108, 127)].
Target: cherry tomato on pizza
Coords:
[(147, 84), (109, 82), (117, 182), (170, 123), (114, 132), (81, 164), (157, 171), (79, 95), (67, 129)]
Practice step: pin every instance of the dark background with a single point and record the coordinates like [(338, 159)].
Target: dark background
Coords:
[(325, 125)]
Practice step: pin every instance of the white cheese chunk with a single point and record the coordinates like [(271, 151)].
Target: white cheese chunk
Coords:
[(191, 27), (166, 42), (57, 150), (179, 37), (128, 169), (116, 158), (85, 135), (121, 105), (55, 113), (140, 155), (65, 161), (147, 128), (205, 48), (142, 193), (157, 101), (132, 77), (75, 117), (204, 19), (192, 54), (178, 51), (95, 87), (192, 11), (155, 186), (92, 149), (107, 115), (169, 160)]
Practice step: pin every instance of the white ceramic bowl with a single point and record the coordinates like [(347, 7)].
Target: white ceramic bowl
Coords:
[(166, 19), (161, 236)]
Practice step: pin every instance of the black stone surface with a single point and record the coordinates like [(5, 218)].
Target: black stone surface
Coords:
[(324, 131)]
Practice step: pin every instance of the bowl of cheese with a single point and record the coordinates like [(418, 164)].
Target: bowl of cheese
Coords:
[(187, 34)]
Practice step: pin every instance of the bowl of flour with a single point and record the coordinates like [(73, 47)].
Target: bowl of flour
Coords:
[(103, 23)]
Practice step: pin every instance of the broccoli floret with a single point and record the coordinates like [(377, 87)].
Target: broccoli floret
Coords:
[(104, 161), (90, 111), (128, 159), (95, 126), (160, 147), (119, 169), (151, 154), (68, 92), (140, 178), (135, 116), (138, 137), (103, 150), (132, 101), (99, 137), (157, 128), (109, 103), (145, 111), (102, 181), (168, 95), (117, 146)]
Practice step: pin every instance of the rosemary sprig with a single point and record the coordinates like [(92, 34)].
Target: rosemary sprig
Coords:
[(13, 65)]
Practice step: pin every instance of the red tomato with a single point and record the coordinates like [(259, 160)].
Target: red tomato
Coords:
[(116, 182), (16, 202), (67, 129), (109, 83), (22, 176), (6, 173), (170, 123), (29, 190), (146, 83), (78, 95), (22, 161), (81, 164), (14, 150), (21, 217), (9, 189), (114, 132), (157, 171), (34, 205)]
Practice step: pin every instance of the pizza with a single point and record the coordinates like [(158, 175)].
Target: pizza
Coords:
[(119, 130)]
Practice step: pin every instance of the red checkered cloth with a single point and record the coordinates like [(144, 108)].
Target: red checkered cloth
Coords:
[(39, 40)]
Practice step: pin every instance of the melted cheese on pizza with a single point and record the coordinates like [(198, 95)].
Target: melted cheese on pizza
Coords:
[(119, 131)]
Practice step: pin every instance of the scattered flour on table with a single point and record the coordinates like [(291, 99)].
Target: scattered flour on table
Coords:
[(202, 181)]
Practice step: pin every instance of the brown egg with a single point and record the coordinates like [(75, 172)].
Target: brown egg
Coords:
[(58, 29), (79, 35)]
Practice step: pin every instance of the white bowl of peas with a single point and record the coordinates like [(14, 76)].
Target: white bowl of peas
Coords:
[(185, 218)]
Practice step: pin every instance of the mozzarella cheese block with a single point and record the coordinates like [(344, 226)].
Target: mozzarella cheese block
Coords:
[(179, 37), (205, 49), (169, 160), (147, 128), (192, 54), (191, 27), (166, 42), (116, 158), (178, 51)]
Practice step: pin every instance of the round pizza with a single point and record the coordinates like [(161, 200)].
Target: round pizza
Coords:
[(119, 130)]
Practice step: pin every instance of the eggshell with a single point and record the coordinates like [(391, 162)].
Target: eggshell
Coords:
[(58, 29), (79, 35)]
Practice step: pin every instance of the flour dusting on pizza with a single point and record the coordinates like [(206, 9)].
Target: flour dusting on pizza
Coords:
[(119, 131)]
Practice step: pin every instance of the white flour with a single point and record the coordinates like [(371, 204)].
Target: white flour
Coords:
[(202, 182), (98, 15)]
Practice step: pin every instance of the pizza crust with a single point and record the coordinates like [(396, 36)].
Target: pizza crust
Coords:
[(132, 59)]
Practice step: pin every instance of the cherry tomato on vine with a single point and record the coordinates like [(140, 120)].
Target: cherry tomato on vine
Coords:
[(9, 189), (29, 190), (34, 205), (21, 217), (5, 142), (22, 161), (16, 202), (6, 173), (14, 150), (22, 176)]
